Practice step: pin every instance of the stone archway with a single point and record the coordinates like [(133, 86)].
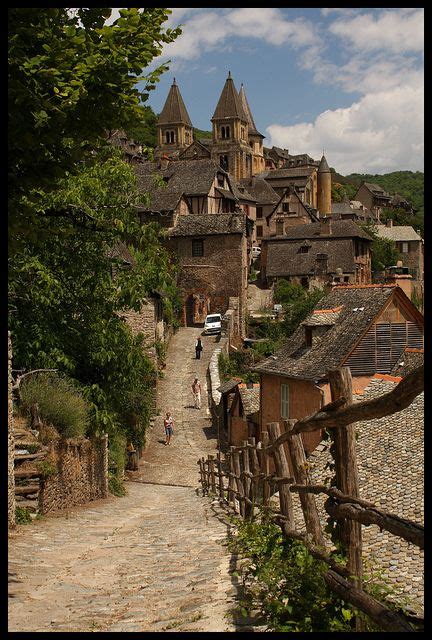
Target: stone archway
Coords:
[(196, 307)]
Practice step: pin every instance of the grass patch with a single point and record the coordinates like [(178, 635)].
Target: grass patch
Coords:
[(22, 515)]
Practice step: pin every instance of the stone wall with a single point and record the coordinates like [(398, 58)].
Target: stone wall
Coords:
[(82, 473), (11, 443)]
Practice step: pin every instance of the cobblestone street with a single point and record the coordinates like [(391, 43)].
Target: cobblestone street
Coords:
[(154, 560)]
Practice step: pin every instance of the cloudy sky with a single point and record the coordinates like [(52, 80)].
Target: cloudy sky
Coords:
[(349, 81)]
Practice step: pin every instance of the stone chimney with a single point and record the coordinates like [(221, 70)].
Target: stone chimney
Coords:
[(280, 226), (389, 223), (326, 226), (403, 281)]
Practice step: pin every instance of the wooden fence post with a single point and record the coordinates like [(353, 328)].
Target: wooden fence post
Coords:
[(219, 468), (246, 481), (346, 469), (255, 468), (231, 481), (204, 477), (212, 474), (239, 483), (199, 463), (309, 508), (265, 468), (282, 470)]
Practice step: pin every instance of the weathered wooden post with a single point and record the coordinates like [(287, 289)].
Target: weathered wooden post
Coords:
[(282, 470), (239, 483), (346, 470), (231, 483), (309, 508), (201, 474), (205, 476), (246, 480), (265, 467), (212, 474), (255, 468), (219, 469)]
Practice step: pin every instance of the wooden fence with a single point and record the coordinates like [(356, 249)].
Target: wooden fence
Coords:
[(243, 481)]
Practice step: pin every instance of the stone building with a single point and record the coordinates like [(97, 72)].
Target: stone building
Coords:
[(324, 189), (236, 143), (373, 197), (367, 328), (132, 150), (304, 179), (213, 255), (289, 211), (244, 414), (265, 198), (318, 254), (409, 243)]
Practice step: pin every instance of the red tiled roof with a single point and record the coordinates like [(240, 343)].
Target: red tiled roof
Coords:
[(385, 376)]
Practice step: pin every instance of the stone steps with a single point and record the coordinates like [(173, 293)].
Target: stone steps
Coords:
[(26, 489)]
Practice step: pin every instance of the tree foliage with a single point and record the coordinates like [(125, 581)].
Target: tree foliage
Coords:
[(384, 252), (71, 78), (72, 202), (297, 303)]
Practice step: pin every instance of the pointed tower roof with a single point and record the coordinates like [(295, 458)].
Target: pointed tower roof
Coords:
[(229, 105), (174, 109), (323, 166), (248, 113)]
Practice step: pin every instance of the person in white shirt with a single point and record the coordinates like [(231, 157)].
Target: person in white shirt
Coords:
[(196, 390)]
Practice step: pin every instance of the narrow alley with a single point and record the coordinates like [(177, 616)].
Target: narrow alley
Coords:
[(154, 560)]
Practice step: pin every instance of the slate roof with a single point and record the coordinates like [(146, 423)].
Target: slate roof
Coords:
[(323, 166), (240, 192), (390, 459), (192, 177), (292, 191), (296, 360), (209, 224), (288, 172), (121, 251), (397, 233), (284, 259), (409, 360), (228, 386), (174, 109), (261, 190), (250, 399), (229, 105), (375, 188), (341, 207), (281, 153), (340, 229), (251, 124)]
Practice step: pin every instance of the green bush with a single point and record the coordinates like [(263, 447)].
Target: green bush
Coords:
[(46, 468), (60, 403), (115, 485), (22, 515)]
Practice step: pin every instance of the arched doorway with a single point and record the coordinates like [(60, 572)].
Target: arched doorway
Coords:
[(197, 307)]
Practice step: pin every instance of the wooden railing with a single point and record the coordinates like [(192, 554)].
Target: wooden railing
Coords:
[(243, 482)]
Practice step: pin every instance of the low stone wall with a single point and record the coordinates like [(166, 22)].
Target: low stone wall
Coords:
[(213, 375), (82, 473), (11, 443)]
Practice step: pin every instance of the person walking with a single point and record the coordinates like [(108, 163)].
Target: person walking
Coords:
[(169, 427), (198, 349), (196, 390)]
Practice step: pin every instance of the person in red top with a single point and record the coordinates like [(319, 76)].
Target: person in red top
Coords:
[(169, 427)]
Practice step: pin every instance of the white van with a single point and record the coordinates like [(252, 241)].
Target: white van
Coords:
[(213, 323)]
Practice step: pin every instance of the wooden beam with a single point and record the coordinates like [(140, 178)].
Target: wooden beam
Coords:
[(282, 469), (383, 617)]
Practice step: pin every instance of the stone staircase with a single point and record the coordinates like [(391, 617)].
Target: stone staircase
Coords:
[(28, 452)]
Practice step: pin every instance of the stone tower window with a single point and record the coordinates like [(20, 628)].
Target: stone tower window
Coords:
[(223, 161), (169, 137), (242, 133)]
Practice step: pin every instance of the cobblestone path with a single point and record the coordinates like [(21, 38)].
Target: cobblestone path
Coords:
[(154, 560)]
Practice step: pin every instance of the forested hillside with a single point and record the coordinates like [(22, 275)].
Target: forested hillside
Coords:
[(408, 184)]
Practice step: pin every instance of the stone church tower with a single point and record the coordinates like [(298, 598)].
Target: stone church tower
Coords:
[(174, 127), (324, 188), (230, 146), (255, 138)]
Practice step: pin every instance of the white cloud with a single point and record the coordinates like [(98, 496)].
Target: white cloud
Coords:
[(381, 132), (395, 31)]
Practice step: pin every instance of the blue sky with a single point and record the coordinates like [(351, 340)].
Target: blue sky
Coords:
[(346, 80)]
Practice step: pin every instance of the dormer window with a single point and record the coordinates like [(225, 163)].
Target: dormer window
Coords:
[(304, 248), (220, 180)]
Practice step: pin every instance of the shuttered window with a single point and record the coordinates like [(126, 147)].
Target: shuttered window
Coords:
[(285, 401)]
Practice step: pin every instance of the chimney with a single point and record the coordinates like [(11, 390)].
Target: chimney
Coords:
[(321, 263), (325, 226), (164, 162), (389, 223), (403, 281), (279, 226)]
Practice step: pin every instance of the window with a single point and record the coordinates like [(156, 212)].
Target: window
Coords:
[(346, 278), (308, 336), (285, 206), (197, 248), (304, 249), (259, 231), (227, 132), (242, 133), (169, 137), (223, 161), (259, 212), (220, 179), (285, 401), (405, 247)]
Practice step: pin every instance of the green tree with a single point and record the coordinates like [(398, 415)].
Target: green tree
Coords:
[(297, 303), (384, 252), (71, 78), (145, 131)]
